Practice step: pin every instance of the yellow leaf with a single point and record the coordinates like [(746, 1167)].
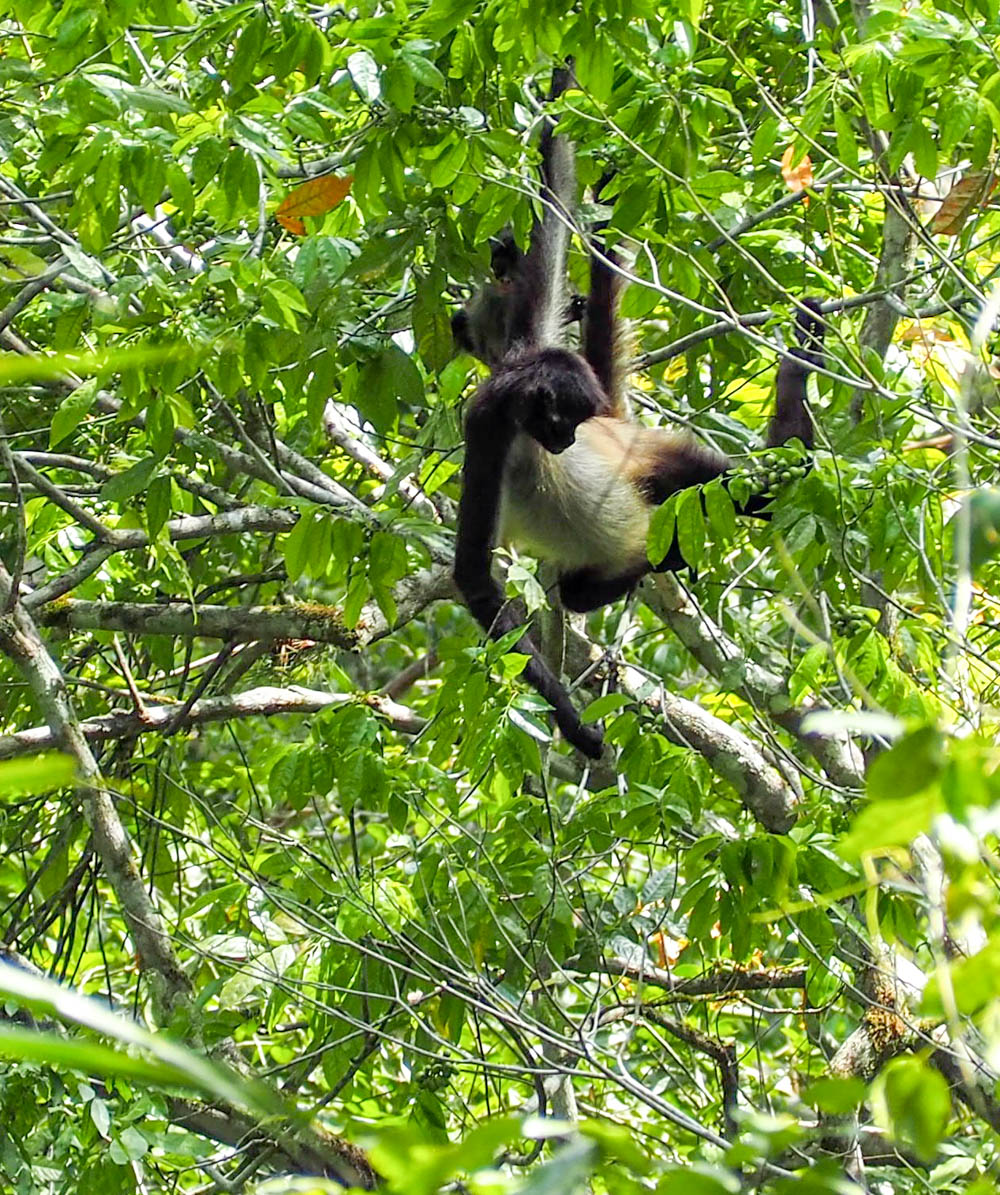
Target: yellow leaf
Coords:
[(799, 176), (970, 192), (313, 198)]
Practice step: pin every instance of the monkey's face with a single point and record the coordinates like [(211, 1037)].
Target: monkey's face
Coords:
[(552, 420), (462, 332), (480, 327)]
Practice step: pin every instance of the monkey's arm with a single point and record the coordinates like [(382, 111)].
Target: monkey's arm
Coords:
[(602, 335), (791, 416), (489, 435), (605, 341)]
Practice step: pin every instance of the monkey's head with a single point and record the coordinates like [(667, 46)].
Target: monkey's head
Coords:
[(546, 421), (559, 391), (481, 326)]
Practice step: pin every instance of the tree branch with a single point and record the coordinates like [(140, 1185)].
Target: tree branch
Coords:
[(714, 983), (323, 1154), (727, 750), (227, 522), (263, 702), (240, 624), (763, 689), (20, 641)]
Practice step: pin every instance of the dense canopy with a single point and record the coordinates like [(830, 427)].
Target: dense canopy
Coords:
[(346, 910)]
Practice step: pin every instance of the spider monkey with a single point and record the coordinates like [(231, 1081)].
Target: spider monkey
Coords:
[(552, 463)]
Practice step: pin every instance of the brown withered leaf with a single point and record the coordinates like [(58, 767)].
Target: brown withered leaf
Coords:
[(799, 176), (970, 192), (313, 198)]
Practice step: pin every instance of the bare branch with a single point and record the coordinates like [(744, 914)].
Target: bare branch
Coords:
[(727, 750), (20, 641), (765, 690), (29, 291), (263, 702), (341, 433), (229, 522), (898, 241), (715, 983), (239, 624)]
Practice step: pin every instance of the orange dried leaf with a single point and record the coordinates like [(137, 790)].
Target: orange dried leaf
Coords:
[(970, 192), (799, 176), (313, 198), (668, 950)]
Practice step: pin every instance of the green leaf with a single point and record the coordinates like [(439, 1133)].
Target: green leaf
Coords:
[(807, 672), (600, 707), (298, 545), (847, 142), (691, 526), (660, 538), (911, 1100), (566, 1174), (363, 70), (764, 140), (126, 485), (170, 1063), (424, 71), (444, 170), (721, 512), (837, 1097), (432, 329), (158, 505), (36, 774), (70, 324), (84, 264), (972, 985), (88, 1057), (385, 379), (595, 66), (924, 149), (659, 885), (909, 767), (246, 54), (891, 823), (399, 85), (71, 411)]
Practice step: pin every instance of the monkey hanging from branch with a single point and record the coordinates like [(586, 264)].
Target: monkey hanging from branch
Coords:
[(553, 464)]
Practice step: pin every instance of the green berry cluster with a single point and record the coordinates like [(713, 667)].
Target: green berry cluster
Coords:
[(435, 1075), (852, 620), (201, 227), (768, 472), (213, 300)]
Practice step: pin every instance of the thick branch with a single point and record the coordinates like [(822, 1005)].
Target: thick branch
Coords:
[(264, 702), (898, 240), (20, 641), (763, 689), (322, 1154), (727, 750), (245, 624), (715, 983), (239, 624)]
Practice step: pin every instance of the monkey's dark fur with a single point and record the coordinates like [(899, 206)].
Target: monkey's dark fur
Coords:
[(552, 462)]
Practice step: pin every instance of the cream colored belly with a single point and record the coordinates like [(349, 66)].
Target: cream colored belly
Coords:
[(572, 508)]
